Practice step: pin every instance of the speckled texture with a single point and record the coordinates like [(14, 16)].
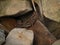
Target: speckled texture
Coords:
[(20, 36), (51, 9), (11, 7), (2, 36)]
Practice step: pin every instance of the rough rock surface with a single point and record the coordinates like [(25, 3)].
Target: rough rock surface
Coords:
[(2, 36), (20, 36), (51, 9), (11, 7)]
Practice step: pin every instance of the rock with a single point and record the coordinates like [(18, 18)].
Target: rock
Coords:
[(11, 7), (54, 27), (51, 9), (56, 43), (7, 24), (2, 36), (20, 36), (2, 27), (42, 35)]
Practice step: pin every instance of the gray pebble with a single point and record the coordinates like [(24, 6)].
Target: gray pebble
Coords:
[(20, 36), (2, 36)]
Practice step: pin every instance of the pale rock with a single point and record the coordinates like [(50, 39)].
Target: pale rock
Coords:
[(56, 42), (11, 7), (20, 36), (2, 36), (51, 9)]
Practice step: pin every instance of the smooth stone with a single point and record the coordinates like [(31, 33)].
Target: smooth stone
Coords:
[(2, 36), (51, 9), (20, 36), (11, 7)]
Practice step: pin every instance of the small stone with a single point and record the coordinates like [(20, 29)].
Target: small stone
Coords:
[(20, 36), (2, 36)]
